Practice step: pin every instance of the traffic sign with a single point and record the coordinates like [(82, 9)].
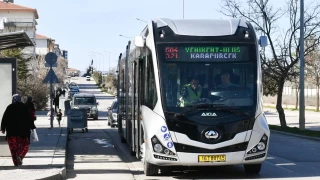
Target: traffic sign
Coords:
[(51, 77), (51, 58), (53, 65)]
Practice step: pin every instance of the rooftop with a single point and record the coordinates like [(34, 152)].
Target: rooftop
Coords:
[(4, 6), (39, 36)]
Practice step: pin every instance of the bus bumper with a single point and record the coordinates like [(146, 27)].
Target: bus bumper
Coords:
[(192, 159)]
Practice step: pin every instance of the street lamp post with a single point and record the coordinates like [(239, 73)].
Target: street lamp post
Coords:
[(141, 20), (109, 60), (99, 60), (301, 103), (124, 36)]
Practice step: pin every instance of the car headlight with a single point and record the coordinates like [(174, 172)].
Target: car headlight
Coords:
[(114, 115), (94, 109), (76, 108)]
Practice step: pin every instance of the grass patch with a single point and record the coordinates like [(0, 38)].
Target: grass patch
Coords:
[(296, 130), (104, 90)]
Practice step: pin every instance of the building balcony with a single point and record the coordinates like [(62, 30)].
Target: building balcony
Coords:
[(19, 23)]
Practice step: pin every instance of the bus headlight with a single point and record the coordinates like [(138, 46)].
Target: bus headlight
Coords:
[(157, 148), (261, 146)]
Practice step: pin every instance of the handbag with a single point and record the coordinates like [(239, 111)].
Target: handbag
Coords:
[(34, 135)]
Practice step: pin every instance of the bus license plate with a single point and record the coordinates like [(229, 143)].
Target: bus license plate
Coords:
[(212, 158)]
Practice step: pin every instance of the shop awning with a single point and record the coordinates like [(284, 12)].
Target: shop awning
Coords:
[(15, 40)]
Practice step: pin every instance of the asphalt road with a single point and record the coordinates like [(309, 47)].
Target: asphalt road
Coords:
[(99, 154)]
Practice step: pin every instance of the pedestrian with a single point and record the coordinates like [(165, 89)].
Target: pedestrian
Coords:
[(51, 115), (59, 116), (32, 109), (17, 124), (56, 103)]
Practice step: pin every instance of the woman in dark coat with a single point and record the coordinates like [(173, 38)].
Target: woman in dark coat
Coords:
[(32, 109), (17, 123)]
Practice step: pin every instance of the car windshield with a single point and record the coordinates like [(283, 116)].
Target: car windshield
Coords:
[(84, 101), (185, 83)]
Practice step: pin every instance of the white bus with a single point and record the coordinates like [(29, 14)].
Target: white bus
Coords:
[(190, 94)]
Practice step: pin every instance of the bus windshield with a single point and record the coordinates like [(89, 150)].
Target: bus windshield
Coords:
[(217, 75)]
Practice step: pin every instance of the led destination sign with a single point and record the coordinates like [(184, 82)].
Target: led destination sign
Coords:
[(207, 53)]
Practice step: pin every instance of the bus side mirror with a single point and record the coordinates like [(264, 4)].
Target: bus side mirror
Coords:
[(263, 41), (139, 41)]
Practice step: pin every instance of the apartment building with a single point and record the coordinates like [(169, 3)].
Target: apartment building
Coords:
[(19, 18)]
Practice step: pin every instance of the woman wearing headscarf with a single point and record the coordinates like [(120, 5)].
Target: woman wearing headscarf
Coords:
[(17, 122), (32, 109)]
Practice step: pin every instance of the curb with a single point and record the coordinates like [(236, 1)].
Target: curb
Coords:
[(296, 135), (62, 175)]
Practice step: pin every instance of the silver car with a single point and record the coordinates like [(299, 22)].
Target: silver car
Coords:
[(86, 101)]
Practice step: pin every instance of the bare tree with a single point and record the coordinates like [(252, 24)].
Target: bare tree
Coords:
[(278, 65), (296, 84), (60, 70), (313, 69)]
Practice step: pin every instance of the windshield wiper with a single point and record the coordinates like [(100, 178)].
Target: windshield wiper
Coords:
[(216, 107)]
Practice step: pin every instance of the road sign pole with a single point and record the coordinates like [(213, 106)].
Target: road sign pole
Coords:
[(51, 98), (51, 60)]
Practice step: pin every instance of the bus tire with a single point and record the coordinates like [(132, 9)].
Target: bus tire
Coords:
[(252, 168), (132, 153), (150, 169), (165, 170), (122, 139)]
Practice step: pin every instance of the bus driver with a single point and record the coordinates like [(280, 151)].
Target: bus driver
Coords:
[(190, 92)]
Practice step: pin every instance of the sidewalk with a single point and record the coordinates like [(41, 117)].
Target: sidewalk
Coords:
[(289, 106), (45, 159), (312, 118)]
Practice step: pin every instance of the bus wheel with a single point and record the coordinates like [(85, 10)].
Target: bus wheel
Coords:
[(123, 140), (150, 169), (165, 171), (252, 168), (132, 153)]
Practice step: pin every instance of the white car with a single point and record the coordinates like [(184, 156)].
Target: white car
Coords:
[(88, 78)]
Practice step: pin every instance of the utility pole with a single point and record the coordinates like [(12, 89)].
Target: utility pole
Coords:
[(263, 25), (301, 99), (182, 9)]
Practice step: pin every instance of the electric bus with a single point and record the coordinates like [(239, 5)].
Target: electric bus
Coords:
[(190, 94)]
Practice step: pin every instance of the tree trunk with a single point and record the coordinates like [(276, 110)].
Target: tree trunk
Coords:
[(317, 105), (297, 97), (280, 110)]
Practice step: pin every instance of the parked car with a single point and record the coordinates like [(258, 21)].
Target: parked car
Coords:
[(113, 114), (73, 86), (88, 78), (72, 92), (86, 101)]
